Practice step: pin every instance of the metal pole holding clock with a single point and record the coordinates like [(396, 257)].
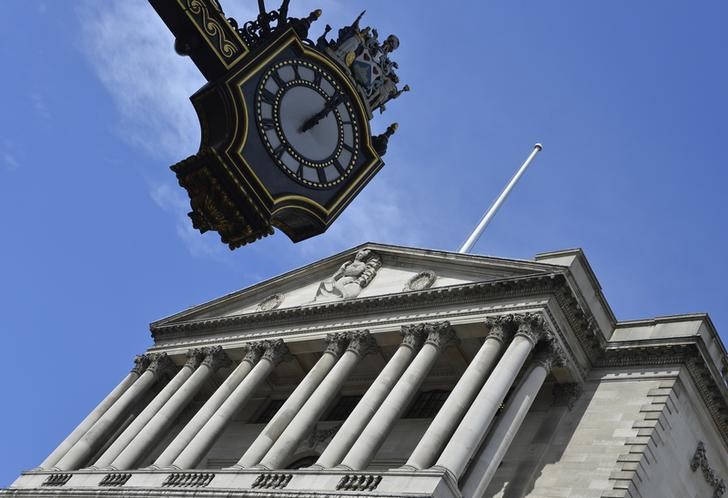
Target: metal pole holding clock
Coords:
[(497, 204)]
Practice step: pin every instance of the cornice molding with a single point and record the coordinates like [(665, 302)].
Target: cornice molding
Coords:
[(583, 325), (687, 354)]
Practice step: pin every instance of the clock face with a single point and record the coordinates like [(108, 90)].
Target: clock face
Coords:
[(307, 123)]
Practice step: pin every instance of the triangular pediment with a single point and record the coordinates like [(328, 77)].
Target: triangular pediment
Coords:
[(377, 271)]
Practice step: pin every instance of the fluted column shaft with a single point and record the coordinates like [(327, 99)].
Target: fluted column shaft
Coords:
[(98, 433), (141, 363), (459, 400), (200, 418), (212, 358), (509, 421), (284, 415), (123, 440), (208, 434), (371, 401), (360, 344), (439, 336), (474, 425)]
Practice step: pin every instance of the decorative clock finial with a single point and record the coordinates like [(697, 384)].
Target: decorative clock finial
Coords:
[(380, 142)]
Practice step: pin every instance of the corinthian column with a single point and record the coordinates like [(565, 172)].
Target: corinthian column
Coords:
[(360, 344), (444, 423), (275, 352), (180, 442), (439, 336), (509, 421), (472, 429), (99, 432), (212, 359), (351, 429), (194, 356), (140, 363), (336, 345)]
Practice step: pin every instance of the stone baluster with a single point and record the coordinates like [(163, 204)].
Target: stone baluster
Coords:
[(91, 441), (275, 352), (459, 400), (439, 336), (140, 363), (212, 359), (194, 357), (361, 343), (190, 430), (483, 468), (473, 427), (351, 429), (336, 343)]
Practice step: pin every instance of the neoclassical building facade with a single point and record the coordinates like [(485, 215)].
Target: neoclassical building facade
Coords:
[(387, 371)]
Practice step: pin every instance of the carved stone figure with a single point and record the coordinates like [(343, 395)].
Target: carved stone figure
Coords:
[(350, 278)]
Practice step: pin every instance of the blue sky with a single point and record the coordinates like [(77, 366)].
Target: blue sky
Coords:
[(628, 98)]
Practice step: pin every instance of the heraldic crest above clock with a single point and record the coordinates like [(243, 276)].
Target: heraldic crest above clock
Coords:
[(286, 140)]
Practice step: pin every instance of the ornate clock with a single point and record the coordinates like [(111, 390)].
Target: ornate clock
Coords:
[(286, 140)]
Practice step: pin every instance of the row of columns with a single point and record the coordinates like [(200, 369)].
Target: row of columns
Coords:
[(453, 439)]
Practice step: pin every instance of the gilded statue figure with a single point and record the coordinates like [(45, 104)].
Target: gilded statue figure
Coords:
[(350, 278)]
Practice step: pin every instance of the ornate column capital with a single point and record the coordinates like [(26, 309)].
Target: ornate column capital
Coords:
[(254, 350), (440, 334), (336, 343), (276, 351), (141, 362), (194, 357), (550, 355), (161, 364), (215, 358), (502, 327), (532, 326), (413, 336), (362, 343)]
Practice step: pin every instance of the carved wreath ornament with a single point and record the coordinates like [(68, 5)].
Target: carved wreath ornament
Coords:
[(421, 281), (271, 302)]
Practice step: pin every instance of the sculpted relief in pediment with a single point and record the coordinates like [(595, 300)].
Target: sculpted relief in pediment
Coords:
[(351, 277)]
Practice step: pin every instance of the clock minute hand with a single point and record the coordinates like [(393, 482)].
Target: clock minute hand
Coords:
[(316, 118)]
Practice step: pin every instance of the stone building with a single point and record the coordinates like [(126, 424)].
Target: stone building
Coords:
[(387, 371)]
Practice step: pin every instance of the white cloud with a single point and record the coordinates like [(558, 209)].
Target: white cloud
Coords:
[(131, 51)]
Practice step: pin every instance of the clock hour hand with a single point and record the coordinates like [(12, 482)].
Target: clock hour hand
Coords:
[(316, 118)]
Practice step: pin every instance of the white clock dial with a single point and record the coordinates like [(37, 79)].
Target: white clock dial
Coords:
[(307, 123)]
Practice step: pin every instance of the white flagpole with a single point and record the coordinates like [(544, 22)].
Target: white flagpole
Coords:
[(501, 198)]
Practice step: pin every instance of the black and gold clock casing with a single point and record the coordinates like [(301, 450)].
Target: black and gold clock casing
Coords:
[(285, 135)]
